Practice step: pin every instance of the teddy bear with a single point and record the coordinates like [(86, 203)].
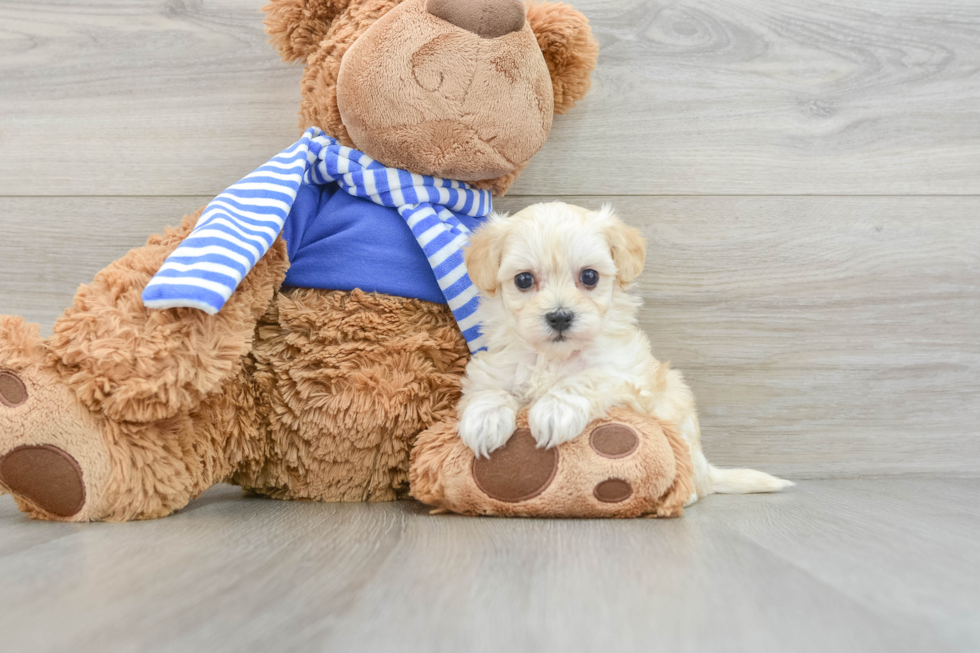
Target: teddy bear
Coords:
[(309, 372)]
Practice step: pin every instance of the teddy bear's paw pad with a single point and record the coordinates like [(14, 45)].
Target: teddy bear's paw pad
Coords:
[(13, 392), (45, 476), (613, 490), (614, 440), (518, 471)]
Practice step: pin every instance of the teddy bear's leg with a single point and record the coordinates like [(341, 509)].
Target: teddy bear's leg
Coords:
[(125, 412), (622, 465), (352, 379)]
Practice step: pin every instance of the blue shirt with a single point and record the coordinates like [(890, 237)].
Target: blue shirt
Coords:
[(340, 242)]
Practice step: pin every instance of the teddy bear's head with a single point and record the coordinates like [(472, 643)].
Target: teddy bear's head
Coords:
[(461, 89)]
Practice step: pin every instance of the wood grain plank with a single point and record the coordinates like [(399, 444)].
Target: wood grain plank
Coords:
[(931, 523), (823, 337), (51, 245), (182, 97), (877, 565), (139, 97)]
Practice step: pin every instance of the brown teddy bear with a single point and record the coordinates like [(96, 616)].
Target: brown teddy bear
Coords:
[(128, 412)]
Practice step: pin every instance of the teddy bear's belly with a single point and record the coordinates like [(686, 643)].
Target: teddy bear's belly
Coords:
[(347, 380)]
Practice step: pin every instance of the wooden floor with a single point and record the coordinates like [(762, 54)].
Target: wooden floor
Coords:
[(807, 173), (838, 565)]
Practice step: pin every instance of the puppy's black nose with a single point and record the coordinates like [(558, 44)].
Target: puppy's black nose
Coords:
[(560, 320)]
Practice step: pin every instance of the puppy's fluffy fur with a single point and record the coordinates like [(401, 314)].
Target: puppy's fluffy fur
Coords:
[(590, 356)]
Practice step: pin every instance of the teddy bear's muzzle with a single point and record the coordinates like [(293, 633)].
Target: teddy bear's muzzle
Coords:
[(457, 89), (487, 18)]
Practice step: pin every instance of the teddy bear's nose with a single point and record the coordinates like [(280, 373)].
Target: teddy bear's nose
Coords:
[(487, 18)]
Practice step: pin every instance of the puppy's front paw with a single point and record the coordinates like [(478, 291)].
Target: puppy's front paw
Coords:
[(485, 427), (557, 419)]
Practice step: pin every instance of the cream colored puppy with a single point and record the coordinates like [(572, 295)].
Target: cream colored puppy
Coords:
[(562, 337)]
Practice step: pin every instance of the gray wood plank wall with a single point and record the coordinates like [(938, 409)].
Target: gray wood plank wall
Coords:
[(808, 174)]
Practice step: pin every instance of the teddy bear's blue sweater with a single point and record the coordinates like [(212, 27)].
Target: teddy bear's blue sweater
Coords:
[(348, 221), (341, 242)]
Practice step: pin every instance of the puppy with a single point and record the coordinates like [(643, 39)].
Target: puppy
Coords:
[(562, 337)]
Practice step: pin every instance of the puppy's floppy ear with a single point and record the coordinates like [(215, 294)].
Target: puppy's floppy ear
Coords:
[(296, 27), (569, 48), (484, 253), (627, 246)]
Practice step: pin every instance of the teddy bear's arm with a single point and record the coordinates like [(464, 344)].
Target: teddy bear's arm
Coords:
[(138, 364)]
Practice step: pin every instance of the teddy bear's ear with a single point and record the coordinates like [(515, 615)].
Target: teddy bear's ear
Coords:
[(296, 27), (569, 48)]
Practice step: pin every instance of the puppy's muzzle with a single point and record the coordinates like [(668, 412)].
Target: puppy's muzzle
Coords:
[(560, 321)]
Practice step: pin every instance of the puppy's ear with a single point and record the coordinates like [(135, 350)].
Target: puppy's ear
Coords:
[(296, 27), (569, 49), (484, 253), (627, 246)]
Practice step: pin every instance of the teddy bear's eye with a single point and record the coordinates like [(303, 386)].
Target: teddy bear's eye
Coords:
[(589, 278), (524, 280)]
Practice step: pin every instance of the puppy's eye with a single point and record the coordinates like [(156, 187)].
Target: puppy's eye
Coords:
[(524, 280), (589, 278)]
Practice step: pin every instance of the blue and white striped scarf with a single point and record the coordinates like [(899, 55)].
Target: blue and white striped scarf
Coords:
[(239, 226)]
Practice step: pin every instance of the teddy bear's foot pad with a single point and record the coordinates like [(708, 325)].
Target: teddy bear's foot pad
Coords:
[(45, 476), (518, 471)]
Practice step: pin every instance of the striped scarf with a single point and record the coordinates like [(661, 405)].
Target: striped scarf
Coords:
[(240, 225)]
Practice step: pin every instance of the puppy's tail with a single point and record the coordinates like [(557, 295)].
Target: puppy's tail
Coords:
[(744, 481)]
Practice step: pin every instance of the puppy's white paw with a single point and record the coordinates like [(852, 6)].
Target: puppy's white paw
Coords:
[(555, 419), (486, 426)]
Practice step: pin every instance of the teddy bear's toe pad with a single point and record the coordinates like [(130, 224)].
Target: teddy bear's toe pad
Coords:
[(518, 471), (614, 440), (613, 490), (46, 476), (13, 392)]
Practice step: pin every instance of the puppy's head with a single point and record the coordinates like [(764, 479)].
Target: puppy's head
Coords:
[(556, 270)]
